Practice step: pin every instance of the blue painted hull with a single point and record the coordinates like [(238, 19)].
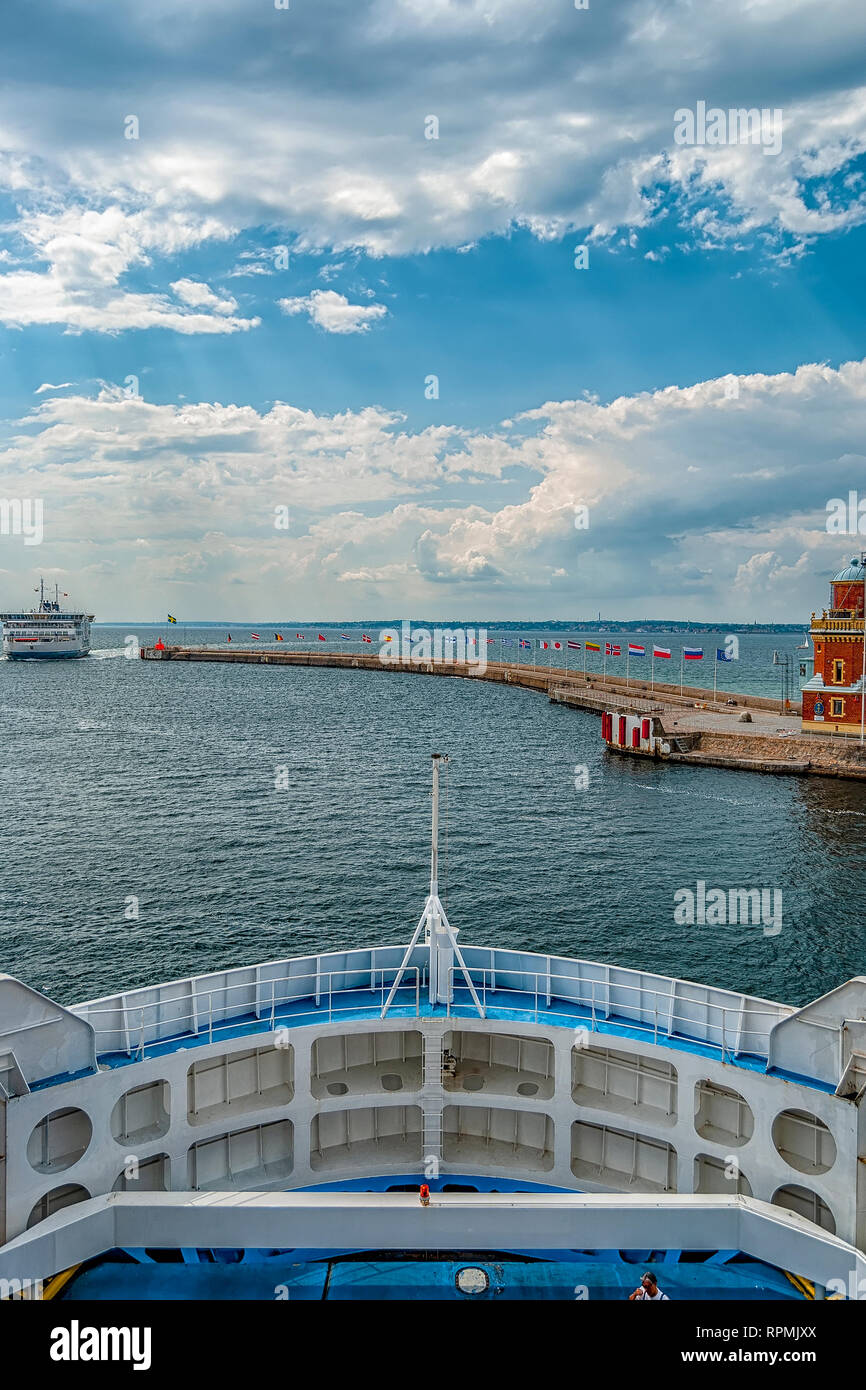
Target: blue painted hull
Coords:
[(45, 656)]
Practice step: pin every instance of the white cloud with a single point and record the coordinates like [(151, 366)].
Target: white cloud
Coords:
[(52, 386), (550, 118), (185, 495), (333, 312)]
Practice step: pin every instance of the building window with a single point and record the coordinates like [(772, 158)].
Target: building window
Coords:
[(838, 673), (837, 707)]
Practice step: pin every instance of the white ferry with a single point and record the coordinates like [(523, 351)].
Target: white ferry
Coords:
[(47, 631), (433, 1120)]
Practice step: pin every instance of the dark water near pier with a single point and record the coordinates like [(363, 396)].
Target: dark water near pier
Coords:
[(121, 779)]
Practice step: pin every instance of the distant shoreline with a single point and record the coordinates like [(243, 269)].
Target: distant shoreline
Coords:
[(507, 625)]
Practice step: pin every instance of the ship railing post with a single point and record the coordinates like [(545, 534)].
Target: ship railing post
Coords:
[(417, 992), (273, 1003), (655, 1020), (592, 1004), (141, 1035), (330, 996), (724, 1031), (210, 1016), (536, 996)]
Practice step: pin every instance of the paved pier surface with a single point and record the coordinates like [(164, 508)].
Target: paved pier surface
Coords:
[(702, 729)]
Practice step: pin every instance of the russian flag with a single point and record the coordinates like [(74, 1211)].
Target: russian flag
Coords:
[(693, 653), (344, 637), (662, 651), (635, 650)]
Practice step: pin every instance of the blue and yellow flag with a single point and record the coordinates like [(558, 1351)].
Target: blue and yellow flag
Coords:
[(171, 619)]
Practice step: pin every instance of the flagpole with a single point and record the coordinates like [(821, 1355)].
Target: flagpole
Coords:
[(682, 650), (627, 662), (604, 663), (715, 674), (653, 675), (584, 658)]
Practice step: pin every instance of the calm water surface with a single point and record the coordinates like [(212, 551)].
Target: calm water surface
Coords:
[(121, 778)]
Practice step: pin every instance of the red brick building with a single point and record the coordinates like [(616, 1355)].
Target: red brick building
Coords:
[(833, 698)]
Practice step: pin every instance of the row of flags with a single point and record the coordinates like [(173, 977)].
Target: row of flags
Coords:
[(524, 644)]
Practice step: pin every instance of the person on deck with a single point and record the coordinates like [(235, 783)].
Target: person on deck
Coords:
[(648, 1288)]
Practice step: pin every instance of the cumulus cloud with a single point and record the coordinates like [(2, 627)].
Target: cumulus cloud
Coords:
[(333, 312), (701, 502), (549, 118)]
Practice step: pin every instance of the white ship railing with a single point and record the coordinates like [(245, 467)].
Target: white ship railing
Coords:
[(528, 987)]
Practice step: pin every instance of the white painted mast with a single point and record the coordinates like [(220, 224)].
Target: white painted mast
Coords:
[(439, 936)]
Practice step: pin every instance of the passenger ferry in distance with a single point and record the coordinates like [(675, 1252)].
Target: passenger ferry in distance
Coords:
[(47, 631), (432, 1120)]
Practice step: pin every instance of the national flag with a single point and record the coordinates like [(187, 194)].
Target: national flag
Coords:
[(662, 651), (573, 646), (300, 636), (254, 636), (693, 653), (722, 655), (278, 637), (505, 641), (522, 643), (171, 619), (365, 638), (389, 639), (321, 638), (611, 650), (593, 647), (557, 646), (544, 646), (344, 637), (635, 650), (229, 637)]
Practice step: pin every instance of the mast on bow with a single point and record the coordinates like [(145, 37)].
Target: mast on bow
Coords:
[(439, 936)]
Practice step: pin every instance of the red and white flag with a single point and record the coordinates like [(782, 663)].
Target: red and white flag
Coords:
[(321, 638), (611, 650), (254, 636), (300, 636), (557, 646), (544, 646), (365, 638), (662, 651)]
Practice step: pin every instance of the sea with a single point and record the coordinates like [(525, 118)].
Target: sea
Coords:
[(161, 820)]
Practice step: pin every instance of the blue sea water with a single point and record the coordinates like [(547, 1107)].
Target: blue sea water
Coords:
[(127, 780)]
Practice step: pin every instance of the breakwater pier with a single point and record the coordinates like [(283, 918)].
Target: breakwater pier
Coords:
[(728, 729)]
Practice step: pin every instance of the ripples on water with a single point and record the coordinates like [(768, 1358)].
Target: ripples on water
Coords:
[(121, 778)]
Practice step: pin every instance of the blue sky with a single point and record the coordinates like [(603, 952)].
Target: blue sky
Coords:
[(167, 381)]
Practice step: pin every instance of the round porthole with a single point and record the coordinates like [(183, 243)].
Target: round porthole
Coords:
[(59, 1140), (337, 1088), (472, 1280), (392, 1082), (527, 1088), (473, 1083)]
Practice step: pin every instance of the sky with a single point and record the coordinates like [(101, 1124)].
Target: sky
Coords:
[(433, 307)]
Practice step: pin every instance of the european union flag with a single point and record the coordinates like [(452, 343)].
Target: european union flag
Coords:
[(722, 656)]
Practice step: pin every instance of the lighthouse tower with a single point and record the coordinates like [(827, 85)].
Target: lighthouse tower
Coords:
[(833, 698)]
